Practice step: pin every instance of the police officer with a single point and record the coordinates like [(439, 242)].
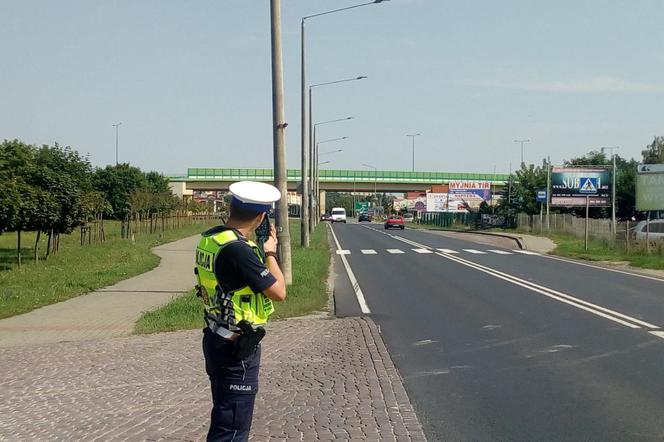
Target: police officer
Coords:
[(237, 282)]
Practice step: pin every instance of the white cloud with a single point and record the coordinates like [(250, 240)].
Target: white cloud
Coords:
[(594, 84)]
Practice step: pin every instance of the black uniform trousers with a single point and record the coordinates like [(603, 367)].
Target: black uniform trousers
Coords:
[(234, 386)]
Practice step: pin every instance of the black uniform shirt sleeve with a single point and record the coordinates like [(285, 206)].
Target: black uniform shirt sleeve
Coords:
[(237, 266)]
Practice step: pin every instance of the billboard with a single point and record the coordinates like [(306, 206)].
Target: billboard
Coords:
[(437, 202), (571, 186), (650, 187), (419, 203), (208, 195)]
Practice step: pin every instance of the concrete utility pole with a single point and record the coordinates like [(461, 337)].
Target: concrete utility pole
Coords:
[(116, 125), (413, 137), (278, 140), (304, 211)]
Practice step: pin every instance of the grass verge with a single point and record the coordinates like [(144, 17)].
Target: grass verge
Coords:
[(600, 250), (76, 269), (307, 294)]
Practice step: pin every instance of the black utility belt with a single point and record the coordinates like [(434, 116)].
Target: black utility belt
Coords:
[(244, 342)]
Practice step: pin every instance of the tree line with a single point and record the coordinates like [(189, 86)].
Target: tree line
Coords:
[(52, 190)]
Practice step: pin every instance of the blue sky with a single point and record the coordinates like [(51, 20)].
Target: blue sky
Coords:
[(190, 80)]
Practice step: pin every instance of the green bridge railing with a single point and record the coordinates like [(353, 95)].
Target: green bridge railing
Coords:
[(380, 176)]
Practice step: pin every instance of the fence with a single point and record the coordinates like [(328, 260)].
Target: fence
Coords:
[(600, 228), (448, 220)]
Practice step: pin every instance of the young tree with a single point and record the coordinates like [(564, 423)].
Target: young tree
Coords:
[(117, 183), (529, 179), (654, 152)]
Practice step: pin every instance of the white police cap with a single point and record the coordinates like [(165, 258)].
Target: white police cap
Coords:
[(254, 196)]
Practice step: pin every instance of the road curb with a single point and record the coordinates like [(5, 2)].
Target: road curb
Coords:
[(517, 240)]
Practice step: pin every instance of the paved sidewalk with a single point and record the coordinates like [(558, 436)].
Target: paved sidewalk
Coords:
[(321, 379), (111, 311)]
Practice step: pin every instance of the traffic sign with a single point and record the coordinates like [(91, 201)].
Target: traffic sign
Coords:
[(588, 185), (541, 196)]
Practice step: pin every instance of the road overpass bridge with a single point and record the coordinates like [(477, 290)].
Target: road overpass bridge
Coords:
[(331, 180)]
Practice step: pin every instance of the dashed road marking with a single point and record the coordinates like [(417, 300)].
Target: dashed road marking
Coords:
[(500, 252), (369, 252), (474, 252), (343, 252), (422, 251), (395, 251), (525, 252), (447, 251), (659, 334)]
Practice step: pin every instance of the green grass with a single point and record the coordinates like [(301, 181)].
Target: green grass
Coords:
[(182, 313), (307, 294), (601, 250), (76, 269), (571, 246)]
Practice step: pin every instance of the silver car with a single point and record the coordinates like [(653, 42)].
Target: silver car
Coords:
[(656, 230)]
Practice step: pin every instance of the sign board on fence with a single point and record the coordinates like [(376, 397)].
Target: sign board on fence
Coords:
[(650, 187), (570, 186), (436, 202), (541, 196)]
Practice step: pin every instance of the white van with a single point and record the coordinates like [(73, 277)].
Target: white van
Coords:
[(338, 215)]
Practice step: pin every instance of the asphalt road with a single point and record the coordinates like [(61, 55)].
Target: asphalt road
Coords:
[(504, 346)]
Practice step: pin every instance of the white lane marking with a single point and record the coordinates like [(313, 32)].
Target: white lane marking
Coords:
[(623, 272), (422, 251), (356, 285), (544, 291), (424, 342), (343, 252), (369, 252), (659, 334), (474, 252), (500, 252), (525, 252), (554, 294), (447, 251), (394, 251)]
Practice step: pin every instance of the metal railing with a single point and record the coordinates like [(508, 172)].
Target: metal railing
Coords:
[(379, 176)]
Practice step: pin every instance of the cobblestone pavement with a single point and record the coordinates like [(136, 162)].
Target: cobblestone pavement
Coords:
[(111, 311), (321, 379)]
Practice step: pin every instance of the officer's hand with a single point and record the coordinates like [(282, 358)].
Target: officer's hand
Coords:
[(271, 242)]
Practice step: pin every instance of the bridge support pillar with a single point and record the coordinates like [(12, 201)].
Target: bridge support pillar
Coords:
[(321, 205)]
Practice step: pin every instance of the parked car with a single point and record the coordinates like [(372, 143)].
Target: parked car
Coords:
[(408, 217), (364, 216), (326, 217), (656, 230), (394, 222), (338, 215)]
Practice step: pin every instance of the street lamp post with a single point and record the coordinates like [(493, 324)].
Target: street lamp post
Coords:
[(413, 137), (304, 237), (375, 178), (613, 187), (316, 171), (522, 141), (313, 220), (314, 177), (116, 125)]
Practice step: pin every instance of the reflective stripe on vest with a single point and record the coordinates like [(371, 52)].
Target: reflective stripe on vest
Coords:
[(227, 309)]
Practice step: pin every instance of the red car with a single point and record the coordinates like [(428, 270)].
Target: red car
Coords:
[(395, 221)]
